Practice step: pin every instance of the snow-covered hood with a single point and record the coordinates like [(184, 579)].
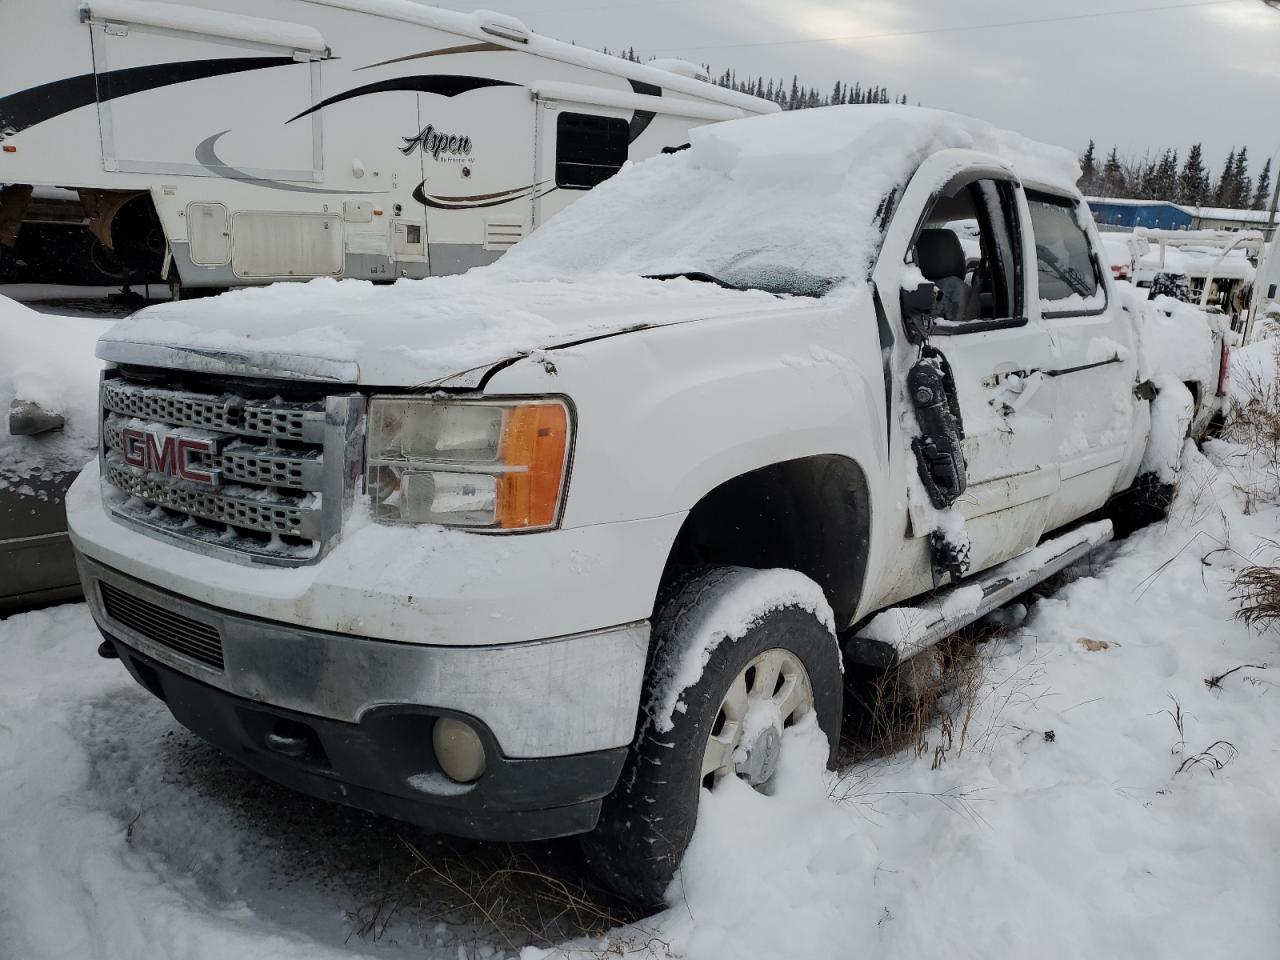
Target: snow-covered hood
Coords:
[(440, 331)]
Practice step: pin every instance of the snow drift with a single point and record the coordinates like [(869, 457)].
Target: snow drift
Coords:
[(48, 360)]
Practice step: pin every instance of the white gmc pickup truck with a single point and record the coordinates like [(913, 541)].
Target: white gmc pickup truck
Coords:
[(551, 547)]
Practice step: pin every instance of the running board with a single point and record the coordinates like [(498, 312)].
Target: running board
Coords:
[(899, 633)]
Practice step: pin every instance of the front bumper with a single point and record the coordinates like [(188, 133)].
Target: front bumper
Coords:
[(374, 764), (545, 698), (358, 714)]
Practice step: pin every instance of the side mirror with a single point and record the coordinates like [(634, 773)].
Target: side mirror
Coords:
[(930, 302), (919, 311), (27, 418)]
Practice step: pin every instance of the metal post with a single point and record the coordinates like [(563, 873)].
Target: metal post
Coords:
[(1275, 200), (1275, 194)]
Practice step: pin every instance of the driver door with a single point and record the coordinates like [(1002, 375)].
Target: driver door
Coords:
[(1006, 407)]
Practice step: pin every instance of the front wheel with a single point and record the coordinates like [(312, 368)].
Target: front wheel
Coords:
[(739, 656)]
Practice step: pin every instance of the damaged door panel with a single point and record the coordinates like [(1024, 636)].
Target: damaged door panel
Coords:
[(980, 414)]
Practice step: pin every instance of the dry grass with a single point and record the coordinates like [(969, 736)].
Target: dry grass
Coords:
[(926, 704), (503, 895), (1257, 591), (1254, 424)]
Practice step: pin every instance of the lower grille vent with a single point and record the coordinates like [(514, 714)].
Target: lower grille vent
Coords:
[(193, 639)]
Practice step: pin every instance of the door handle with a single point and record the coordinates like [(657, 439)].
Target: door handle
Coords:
[(993, 381), (1014, 389)]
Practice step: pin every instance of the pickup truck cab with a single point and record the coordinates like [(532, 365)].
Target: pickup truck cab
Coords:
[(553, 546)]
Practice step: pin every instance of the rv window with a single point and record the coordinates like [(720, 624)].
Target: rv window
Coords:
[(589, 149)]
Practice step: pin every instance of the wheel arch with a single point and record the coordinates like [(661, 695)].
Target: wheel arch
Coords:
[(810, 513)]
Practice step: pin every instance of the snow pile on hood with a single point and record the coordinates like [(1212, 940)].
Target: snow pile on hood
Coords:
[(48, 360), (769, 201), (416, 331)]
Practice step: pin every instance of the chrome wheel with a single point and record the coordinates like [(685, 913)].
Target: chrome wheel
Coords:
[(767, 696)]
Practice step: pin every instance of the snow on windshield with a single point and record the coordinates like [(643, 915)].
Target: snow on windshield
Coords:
[(789, 203)]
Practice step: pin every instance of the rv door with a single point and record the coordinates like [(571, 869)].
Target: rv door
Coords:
[(211, 95)]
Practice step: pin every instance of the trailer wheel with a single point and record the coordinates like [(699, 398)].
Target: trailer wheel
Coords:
[(757, 680)]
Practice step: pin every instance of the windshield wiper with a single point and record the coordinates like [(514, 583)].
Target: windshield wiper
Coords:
[(695, 275), (1068, 275)]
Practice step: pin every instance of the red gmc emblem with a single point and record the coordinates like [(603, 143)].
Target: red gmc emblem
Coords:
[(170, 454)]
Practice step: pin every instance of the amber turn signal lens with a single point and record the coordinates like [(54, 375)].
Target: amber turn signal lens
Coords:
[(534, 449)]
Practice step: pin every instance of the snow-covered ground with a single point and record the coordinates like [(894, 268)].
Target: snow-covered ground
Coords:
[(1097, 797)]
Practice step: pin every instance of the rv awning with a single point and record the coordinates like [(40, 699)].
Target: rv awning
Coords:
[(230, 26), (601, 97)]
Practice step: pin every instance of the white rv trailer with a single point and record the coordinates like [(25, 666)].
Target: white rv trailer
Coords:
[(247, 141)]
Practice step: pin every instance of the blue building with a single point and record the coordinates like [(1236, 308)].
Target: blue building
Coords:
[(1127, 214)]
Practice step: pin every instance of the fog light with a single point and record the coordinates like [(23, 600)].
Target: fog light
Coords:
[(459, 750)]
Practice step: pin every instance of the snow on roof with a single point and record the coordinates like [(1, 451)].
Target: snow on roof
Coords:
[(1204, 213), (473, 24), (1199, 262), (795, 193), (1129, 202), (1229, 213)]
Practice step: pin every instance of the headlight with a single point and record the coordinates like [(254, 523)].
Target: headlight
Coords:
[(496, 465)]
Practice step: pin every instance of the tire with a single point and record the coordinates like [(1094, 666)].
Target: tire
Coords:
[(646, 823)]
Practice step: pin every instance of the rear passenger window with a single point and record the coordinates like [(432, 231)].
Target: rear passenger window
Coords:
[(589, 149), (1067, 264)]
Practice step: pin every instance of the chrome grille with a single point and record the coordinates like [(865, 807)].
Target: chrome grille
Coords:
[(191, 638), (225, 506), (283, 471), (228, 413), (244, 462)]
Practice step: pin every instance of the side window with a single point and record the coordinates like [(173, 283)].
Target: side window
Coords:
[(589, 149), (969, 246), (1070, 282)]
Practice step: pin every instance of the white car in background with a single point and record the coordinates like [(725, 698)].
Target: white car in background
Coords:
[(1118, 254)]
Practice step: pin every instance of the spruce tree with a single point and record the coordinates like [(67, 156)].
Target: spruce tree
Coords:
[(1112, 175), (1147, 183), (1224, 190), (1193, 182), (1241, 184), (1166, 181), (1262, 195), (1088, 170)]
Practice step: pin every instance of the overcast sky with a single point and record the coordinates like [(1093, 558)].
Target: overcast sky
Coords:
[(1152, 77)]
